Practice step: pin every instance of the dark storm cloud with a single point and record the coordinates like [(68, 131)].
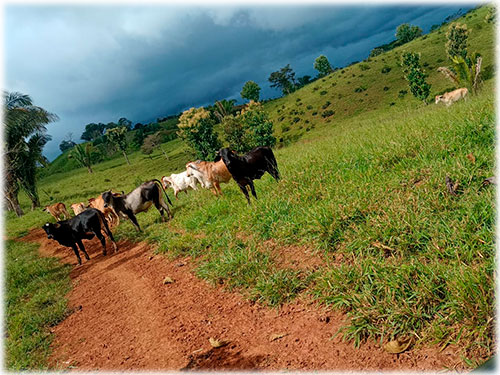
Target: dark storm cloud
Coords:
[(97, 64)]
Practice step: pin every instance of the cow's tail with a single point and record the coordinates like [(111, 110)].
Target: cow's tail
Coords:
[(162, 188), (272, 165)]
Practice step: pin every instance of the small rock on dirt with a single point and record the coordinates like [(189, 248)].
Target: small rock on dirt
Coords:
[(217, 343), (277, 336), (168, 280)]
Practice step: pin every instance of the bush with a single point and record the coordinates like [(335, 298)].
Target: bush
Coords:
[(386, 69), (386, 88), (252, 128), (196, 128), (309, 107), (326, 105), (327, 113), (323, 92), (360, 89), (364, 67), (402, 93)]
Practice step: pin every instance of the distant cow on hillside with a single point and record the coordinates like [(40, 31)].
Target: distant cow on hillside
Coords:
[(138, 200), (56, 210), (448, 98), (86, 225), (249, 167)]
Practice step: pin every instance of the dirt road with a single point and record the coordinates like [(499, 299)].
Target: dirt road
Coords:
[(124, 317)]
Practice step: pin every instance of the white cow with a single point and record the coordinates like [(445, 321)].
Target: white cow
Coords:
[(448, 98), (180, 182)]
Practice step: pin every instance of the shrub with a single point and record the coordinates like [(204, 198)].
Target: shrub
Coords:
[(326, 105), (196, 128), (323, 92), (309, 107), (386, 88), (364, 67), (296, 119), (314, 113), (386, 69), (327, 113), (402, 93), (360, 89)]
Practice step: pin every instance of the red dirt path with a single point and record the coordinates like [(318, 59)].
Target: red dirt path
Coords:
[(124, 318)]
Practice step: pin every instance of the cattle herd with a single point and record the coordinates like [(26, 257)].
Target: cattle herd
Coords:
[(107, 208), (104, 212)]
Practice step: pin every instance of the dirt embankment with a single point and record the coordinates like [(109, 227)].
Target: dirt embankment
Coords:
[(125, 318)]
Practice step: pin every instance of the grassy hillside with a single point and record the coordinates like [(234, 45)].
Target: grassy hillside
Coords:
[(361, 221), (364, 87)]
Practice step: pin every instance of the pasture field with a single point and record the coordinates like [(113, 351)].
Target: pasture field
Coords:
[(361, 220)]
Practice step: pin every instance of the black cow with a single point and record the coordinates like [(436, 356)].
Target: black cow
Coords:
[(71, 232), (249, 167), (138, 200)]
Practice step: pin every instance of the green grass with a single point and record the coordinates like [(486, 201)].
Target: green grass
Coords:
[(35, 301), (364, 190)]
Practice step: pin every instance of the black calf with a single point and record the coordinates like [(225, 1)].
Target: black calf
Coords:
[(71, 232)]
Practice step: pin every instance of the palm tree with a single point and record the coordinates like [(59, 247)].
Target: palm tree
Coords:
[(466, 71), (23, 144), (83, 155)]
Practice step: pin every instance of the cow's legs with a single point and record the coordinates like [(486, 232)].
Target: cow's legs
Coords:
[(132, 218), (75, 249), (243, 188), (82, 249), (252, 188), (109, 234), (217, 187), (103, 241), (161, 206)]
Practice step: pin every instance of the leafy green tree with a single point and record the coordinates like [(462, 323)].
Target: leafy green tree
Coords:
[(250, 91), (126, 123), (304, 80), (322, 65), (66, 145), (93, 131), (196, 128), (283, 79), (250, 129), (235, 134), (456, 44), (406, 33), (24, 139), (83, 155), (415, 75), (117, 136)]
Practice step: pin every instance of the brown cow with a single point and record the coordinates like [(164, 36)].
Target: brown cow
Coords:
[(78, 208), (209, 173), (56, 210), (109, 212)]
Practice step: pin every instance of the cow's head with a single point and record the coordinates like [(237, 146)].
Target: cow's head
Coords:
[(189, 168), (225, 154), (166, 182), (107, 197), (438, 98), (51, 229)]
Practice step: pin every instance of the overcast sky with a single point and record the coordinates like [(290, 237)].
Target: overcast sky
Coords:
[(92, 63)]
